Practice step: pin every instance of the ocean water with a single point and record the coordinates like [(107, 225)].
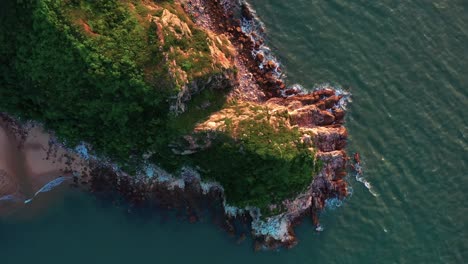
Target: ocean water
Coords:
[(406, 64)]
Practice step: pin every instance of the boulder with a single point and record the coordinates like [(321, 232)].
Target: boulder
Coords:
[(260, 57), (332, 101), (324, 92), (339, 115), (271, 65)]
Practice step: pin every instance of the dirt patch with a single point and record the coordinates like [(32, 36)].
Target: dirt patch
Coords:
[(87, 28)]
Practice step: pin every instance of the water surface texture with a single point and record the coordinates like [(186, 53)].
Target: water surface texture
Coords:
[(406, 64)]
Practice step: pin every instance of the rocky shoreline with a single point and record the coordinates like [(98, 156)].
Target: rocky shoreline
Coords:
[(319, 116)]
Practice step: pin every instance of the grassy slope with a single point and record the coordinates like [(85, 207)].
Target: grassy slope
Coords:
[(94, 71)]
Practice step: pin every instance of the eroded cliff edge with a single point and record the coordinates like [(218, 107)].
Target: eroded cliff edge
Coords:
[(236, 138)]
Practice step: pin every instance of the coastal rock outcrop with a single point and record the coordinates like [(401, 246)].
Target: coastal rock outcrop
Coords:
[(319, 115)]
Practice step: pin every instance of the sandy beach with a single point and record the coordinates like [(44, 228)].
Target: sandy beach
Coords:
[(28, 161)]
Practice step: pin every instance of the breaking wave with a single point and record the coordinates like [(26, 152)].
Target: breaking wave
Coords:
[(360, 178), (255, 29), (50, 186)]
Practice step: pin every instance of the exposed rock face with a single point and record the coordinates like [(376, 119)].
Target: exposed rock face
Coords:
[(323, 131), (170, 26), (327, 139), (223, 18), (171, 21)]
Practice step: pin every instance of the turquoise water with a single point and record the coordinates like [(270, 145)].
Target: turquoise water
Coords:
[(406, 64)]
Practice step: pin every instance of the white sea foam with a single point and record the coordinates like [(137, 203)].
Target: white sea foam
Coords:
[(346, 95), (252, 26), (231, 211), (298, 87), (208, 186), (82, 150), (186, 175), (275, 227), (255, 30), (50, 186), (350, 191), (149, 171), (9, 197), (176, 183), (343, 102), (333, 203), (360, 178)]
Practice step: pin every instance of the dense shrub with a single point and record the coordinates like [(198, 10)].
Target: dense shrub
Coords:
[(90, 88)]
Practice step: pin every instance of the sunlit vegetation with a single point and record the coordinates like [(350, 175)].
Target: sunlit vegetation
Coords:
[(258, 163)]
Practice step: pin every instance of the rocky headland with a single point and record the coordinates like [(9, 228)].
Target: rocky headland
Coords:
[(260, 118)]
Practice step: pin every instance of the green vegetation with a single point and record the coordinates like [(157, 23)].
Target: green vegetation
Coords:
[(95, 71), (258, 163), (263, 166), (91, 70), (201, 107), (88, 70)]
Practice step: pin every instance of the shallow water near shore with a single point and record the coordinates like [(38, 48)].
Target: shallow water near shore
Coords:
[(405, 64)]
